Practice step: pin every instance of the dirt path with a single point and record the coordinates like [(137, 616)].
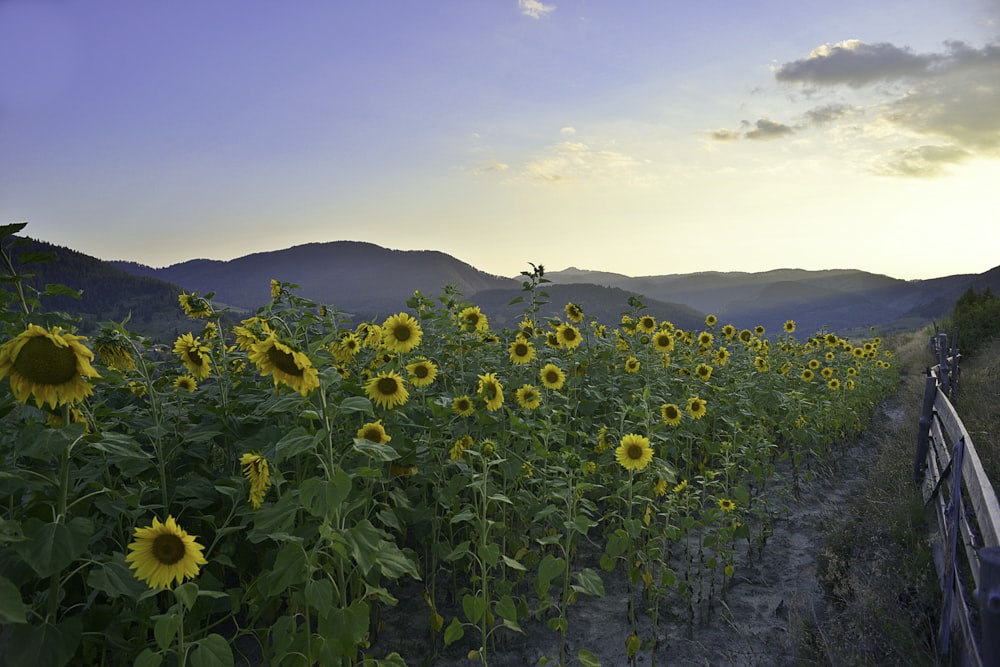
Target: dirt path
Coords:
[(754, 625)]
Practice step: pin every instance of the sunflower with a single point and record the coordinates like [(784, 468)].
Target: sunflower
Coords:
[(528, 397), (726, 505), (346, 348), (186, 382), (705, 339), (568, 336), (632, 365), (634, 452), (472, 319), (401, 333), (251, 330), (813, 364), (671, 413), (574, 312), (646, 324), (827, 373), (194, 354), (696, 407), (721, 356), (760, 363), (704, 371), (807, 375), (195, 306), (789, 326), (114, 350), (660, 488), (553, 377), (275, 289), (729, 331), (521, 351), (458, 449), (746, 336), (164, 554), (711, 320), (50, 366), (491, 390), (387, 390), (256, 470), (833, 384), (374, 432), (462, 406), (680, 486), (663, 342), (759, 330), (552, 340), (286, 365), (422, 372)]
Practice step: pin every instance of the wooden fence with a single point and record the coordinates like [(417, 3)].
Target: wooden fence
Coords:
[(951, 475)]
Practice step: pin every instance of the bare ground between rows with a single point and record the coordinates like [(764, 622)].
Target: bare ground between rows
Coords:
[(751, 624)]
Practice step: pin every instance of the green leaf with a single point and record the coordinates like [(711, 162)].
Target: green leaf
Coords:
[(296, 442), (474, 607), (375, 450), (589, 582), (165, 629), (115, 579), (11, 228), (55, 289), (50, 547), (490, 553), (549, 568), (356, 404), (186, 594), (43, 644), (148, 658), (12, 607), (505, 608), (212, 651), (453, 632), (322, 498), (513, 564), (319, 595), (587, 659)]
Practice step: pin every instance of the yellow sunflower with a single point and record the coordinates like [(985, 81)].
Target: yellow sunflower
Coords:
[(632, 365), (472, 319), (634, 452), (195, 306), (491, 390), (422, 372), (807, 375), (401, 333), (789, 326), (729, 331), (387, 390), (257, 472), (568, 336), (521, 351), (462, 406), (195, 355), (186, 382), (458, 449), (115, 351), (663, 342), (646, 324), (285, 364), (704, 371), (711, 320), (574, 312), (671, 413), (705, 339), (726, 505), (833, 384), (50, 366), (696, 407), (553, 377), (346, 348), (759, 330), (374, 432), (528, 397), (164, 554)]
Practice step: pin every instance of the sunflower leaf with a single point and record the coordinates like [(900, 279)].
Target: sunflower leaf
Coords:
[(11, 605), (212, 651), (50, 547)]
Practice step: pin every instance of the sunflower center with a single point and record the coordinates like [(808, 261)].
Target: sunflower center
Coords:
[(634, 452), (372, 434), (168, 549), (283, 361), (402, 332), (421, 371), (671, 413), (43, 362), (569, 334), (490, 389), (387, 386), (521, 350), (552, 377)]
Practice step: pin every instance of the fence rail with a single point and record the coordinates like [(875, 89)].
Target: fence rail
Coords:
[(951, 475)]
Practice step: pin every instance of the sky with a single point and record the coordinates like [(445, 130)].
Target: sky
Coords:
[(641, 137)]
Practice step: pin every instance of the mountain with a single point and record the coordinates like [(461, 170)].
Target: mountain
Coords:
[(835, 300), (107, 292), (352, 276)]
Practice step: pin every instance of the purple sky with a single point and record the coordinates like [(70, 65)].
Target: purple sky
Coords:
[(638, 137)]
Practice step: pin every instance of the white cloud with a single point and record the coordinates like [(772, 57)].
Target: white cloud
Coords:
[(570, 161), (535, 8), (569, 131)]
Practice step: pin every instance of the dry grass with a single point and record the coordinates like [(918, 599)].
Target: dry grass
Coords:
[(877, 570), (978, 404)]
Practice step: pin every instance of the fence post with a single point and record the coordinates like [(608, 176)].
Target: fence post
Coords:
[(924, 430), (944, 368), (989, 604)]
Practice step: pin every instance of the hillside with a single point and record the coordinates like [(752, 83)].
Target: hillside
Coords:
[(108, 293)]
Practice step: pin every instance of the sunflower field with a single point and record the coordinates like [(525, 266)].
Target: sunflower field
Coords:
[(267, 491)]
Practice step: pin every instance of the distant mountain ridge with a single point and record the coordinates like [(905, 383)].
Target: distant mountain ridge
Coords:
[(368, 281)]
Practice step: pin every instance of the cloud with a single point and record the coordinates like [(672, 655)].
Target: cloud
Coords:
[(855, 63), (767, 129), (946, 110), (573, 161), (922, 161), (724, 135), (535, 8), (568, 131), (490, 166)]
